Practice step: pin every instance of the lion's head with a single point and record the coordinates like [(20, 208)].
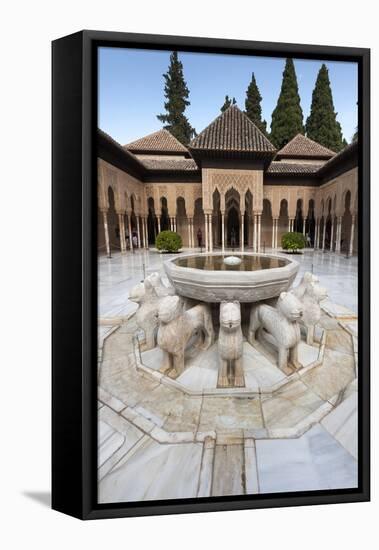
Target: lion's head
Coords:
[(290, 306), (170, 308)]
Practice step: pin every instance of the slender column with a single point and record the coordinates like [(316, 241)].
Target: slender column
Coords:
[(147, 233), (159, 224), (144, 231), (289, 224), (242, 243), (138, 232), (259, 232), (352, 235), (210, 218), (332, 235), (315, 244), (273, 233), (223, 231), (192, 235), (304, 220), (338, 234), (106, 233), (206, 232), (189, 232), (122, 232), (323, 235), (130, 231), (255, 240)]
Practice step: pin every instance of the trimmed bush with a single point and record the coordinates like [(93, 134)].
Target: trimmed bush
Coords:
[(168, 241), (293, 241)]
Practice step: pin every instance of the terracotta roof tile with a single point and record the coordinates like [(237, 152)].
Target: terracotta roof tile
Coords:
[(161, 141), (302, 147), (232, 131), (277, 167), (170, 164)]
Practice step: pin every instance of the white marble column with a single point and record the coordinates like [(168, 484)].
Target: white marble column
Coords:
[(106, 233), (192, 235), (223, 231), (189, 232), (304, 221), (351, 243), (146, 234), (289, 225), (273, 234), (210, 218), (315, 242), (255, 240), (323, 235), (331, 235), (143, 233), (122, 232), (130, 231), (206, 232), (259, 232), (159, 224), (242, 243), (139, 232)]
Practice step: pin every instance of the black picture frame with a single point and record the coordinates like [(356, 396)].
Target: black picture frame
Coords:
[(74, 272)]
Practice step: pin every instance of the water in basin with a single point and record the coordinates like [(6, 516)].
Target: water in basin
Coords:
[(215, 262)]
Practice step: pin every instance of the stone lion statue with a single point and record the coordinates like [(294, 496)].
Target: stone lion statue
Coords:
[(145, 296), (310, 293), (281, 324), (230, 345), (177, 327)]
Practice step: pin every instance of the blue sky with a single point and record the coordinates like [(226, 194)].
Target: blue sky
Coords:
[(131, 88)]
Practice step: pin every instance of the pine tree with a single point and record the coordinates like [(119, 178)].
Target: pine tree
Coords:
[(287, 117), (227, 103), (322, 124), (253, 105), (176, 93)]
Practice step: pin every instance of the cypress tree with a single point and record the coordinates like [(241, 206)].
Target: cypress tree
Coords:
[(176, 93), (253, 107), (227, 103), (287, 117), (322, 124)]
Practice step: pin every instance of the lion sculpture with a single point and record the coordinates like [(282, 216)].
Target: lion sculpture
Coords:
[(310, 293), (145, 296), (281, 324), (230, 345), (177, 327)]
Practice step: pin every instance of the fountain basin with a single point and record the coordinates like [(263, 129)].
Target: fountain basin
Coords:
[(206, 277)]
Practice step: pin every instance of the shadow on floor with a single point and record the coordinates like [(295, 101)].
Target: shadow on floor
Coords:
[(42, 497)]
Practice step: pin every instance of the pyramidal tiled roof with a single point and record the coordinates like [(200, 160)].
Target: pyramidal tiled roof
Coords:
[(232, 131), (302, 147), (157, 142)]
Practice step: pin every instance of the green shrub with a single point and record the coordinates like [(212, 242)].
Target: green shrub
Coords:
[(293, 241), (168, 241)]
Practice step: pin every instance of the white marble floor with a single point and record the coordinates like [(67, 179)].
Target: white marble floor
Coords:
[(156, 442)]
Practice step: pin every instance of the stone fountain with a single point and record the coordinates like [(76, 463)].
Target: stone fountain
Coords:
[(225, 313)]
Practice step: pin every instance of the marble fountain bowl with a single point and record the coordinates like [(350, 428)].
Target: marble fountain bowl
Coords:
[(206, 277)]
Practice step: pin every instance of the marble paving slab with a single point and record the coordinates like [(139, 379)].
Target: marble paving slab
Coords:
[(154, 472), (315, 461)]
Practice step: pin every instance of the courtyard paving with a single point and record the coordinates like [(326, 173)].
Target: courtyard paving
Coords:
[(157, 441)]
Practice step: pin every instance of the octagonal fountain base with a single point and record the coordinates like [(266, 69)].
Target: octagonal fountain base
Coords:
[(207, 278)]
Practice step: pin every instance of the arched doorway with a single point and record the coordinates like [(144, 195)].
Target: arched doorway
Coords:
[(346, 224), (310, 223), (181, 220), (283, 220), (113, 225), (233, 227), (299, 220), (199, 222), (266, 225), (233, 222), (152, 226), (165, 222)]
